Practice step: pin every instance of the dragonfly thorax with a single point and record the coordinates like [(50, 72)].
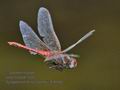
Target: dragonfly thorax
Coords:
[(61, 61)]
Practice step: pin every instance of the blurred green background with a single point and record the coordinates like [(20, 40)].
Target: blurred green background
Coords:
[(99, 64)]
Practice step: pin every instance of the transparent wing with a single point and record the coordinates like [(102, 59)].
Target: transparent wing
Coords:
[(79, 41), (46, 30), (30, 38)]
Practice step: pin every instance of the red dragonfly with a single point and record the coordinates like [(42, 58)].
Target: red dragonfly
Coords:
[(49, 46)]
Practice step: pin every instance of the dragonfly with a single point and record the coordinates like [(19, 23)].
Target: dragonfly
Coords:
[(49, 45)]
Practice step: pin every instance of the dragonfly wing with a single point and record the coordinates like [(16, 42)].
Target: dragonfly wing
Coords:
[(30, 39), (46, 30), (79, 41)]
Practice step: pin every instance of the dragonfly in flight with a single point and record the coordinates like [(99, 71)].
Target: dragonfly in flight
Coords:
[(49, 46)]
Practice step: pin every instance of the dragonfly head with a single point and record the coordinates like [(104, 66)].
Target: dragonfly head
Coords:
[(70, 60), (73, 63)]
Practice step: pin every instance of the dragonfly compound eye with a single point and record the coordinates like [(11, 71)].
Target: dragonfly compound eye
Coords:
[(73, 63)]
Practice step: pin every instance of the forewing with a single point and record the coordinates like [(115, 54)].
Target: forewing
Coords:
[(79, 41), (46, 30), (30, 38)]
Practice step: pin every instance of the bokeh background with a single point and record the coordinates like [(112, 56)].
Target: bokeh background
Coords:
[(99, 62)]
